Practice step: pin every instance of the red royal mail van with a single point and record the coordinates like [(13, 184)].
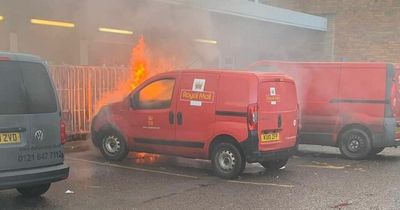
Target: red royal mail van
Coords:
[(354, 106), (230, 117)]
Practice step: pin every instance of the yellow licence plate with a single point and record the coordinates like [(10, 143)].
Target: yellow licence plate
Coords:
[(267, 137), (10, 138)]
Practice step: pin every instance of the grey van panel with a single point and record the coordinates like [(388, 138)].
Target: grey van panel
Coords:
[(9, 152), (40, 144), (39, 157), (34, 176), (22, 57)]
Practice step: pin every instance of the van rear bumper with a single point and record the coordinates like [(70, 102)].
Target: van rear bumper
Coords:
[(250, 149), (35, 176), (273, 155)]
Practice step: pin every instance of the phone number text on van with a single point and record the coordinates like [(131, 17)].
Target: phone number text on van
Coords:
[(40, 156)]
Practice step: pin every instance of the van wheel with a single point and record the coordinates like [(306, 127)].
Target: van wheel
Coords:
[(113, 146), (34, 191), (355, 144), (274, 164), (227, 161)]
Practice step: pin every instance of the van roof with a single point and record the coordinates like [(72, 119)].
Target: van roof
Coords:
[(328, 63), (321, 62), (21, 57), (231, 71)]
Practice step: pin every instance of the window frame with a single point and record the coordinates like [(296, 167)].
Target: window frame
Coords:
[(135, 96), (52, 91), (18, 65)]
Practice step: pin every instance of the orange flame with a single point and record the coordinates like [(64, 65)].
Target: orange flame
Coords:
[(139, 63), (141, 67), (144, 158)]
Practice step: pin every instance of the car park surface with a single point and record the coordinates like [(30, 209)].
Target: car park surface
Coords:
[(316, 178)]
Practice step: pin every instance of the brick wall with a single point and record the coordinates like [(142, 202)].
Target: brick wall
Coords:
[(359, 30)]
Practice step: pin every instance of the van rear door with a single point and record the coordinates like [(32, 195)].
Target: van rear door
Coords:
[(395, 100), (277, 114), (29, 118)]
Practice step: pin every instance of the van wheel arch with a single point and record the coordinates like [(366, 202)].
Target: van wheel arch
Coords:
[(112, 144), (227, 157), (353, 137), (351, 126), (223, 139), (105, 129)]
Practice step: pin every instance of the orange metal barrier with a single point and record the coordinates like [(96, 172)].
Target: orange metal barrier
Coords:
[(79, 89)]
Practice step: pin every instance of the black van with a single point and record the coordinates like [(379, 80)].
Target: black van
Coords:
[(31, 130)]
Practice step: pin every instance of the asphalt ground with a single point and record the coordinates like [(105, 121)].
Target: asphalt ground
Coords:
[(316, 178)]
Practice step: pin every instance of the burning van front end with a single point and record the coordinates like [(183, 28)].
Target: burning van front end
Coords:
[(103, 120)]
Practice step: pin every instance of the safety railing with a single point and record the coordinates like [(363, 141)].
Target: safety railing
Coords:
[(79, 89)]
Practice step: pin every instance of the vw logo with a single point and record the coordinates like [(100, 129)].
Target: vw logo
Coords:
[(39, 135)]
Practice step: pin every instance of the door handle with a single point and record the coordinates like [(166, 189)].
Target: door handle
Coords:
[(179, 118), (171, 117), (279, 121)]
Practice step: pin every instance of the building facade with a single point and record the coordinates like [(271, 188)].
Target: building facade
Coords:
[(362, 30)]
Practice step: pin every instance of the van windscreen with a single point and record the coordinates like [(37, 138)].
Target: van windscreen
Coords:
[(25, 88)]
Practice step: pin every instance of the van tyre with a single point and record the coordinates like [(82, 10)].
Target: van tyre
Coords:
[(227, 161), (34, 191), (274, 164), (355, 144), (113, 146)]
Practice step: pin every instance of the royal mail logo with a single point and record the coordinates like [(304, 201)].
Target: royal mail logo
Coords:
[(198, 85), (276, 98), (203, 96)]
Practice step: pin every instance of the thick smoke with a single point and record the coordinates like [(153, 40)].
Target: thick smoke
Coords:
[(168, 28)]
